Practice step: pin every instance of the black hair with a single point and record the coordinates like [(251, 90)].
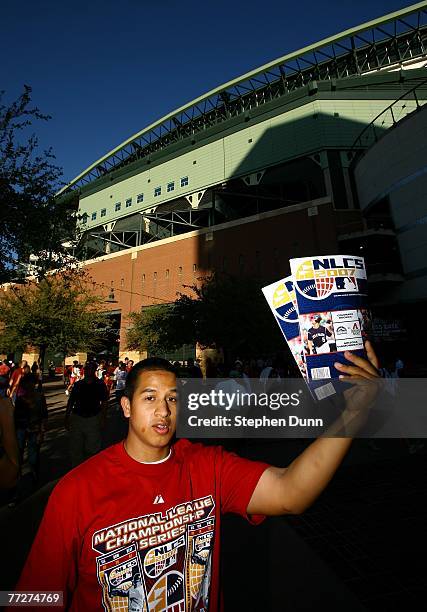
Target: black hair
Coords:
[(151, 364)]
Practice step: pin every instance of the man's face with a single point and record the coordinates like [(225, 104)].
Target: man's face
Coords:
[(152, 411)]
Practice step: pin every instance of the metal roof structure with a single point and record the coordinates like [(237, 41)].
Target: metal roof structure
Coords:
[(389, 41)]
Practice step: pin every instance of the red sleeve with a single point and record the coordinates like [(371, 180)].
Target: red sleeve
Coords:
[(52, 562), (239, 477)]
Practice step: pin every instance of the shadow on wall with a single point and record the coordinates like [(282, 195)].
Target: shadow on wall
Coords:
[(253, 251)]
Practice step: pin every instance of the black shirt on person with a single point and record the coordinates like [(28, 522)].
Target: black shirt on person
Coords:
[(87, 397)]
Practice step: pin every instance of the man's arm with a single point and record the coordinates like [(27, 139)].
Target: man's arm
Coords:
[(13, 385), (293, 489)]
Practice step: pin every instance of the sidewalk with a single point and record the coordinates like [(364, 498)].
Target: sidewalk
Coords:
[(369, 525)]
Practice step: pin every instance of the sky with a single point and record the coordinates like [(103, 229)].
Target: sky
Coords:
[(106, 69)]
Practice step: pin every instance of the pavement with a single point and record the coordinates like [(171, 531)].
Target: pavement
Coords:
[(360, 547)]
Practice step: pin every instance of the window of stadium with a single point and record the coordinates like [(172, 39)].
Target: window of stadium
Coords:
[(184, 181), (140, 198), (93, 216), (118, 206), (171, 186), (103, 212), (128, 202), (84, 218), (157, 191)]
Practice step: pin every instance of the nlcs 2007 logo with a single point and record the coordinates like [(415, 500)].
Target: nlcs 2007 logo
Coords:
[(327, 278), (284, 302)]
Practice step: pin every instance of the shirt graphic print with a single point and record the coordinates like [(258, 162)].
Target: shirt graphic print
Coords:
[(158, 562)]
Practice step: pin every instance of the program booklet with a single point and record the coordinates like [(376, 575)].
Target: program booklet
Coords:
[(331, 295), (280, 297)]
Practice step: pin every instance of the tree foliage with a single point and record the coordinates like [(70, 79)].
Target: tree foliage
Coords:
[(31, 221), (57, 313), (154, 330), (222, 311)]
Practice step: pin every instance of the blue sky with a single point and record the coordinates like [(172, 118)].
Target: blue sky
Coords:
[(105, 69)]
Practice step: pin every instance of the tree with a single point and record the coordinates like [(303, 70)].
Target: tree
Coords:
[(31, 221), (57, 313), (155, 329), (222, 311)]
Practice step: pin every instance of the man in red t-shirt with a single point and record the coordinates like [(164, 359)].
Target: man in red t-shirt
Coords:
[(15, 377), (4, 378), (137, 526), (4, 368)]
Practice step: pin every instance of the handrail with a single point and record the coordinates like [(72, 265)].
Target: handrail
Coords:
[(358, 144)]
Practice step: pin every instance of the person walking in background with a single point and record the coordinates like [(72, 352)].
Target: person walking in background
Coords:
[(85, 415), (75, 375), (16, 377), (121, 376), (30, 421), (116, 370), (109, 377), (4, 378), (9, 453), (36, 371), (101, 370), (16, 390)]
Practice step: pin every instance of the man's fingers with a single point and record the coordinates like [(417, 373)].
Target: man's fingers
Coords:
[(361, 363), (354, 370), (371, 354)]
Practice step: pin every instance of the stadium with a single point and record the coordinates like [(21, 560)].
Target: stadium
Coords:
[(320, 151)]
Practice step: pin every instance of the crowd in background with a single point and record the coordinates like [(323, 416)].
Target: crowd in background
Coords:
[(23, 418), (89, 388)]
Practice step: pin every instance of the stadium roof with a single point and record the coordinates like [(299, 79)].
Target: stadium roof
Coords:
[(382, 43)]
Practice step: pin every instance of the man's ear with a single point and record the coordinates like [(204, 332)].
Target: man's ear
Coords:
[(125, 403)]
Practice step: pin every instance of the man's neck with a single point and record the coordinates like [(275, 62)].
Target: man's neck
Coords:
[(144, 454)]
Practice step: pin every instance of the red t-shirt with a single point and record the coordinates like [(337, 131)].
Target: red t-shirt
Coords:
[(123, 535), (4, 369), (15, 375)]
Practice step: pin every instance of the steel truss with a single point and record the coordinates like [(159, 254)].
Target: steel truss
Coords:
[(380, 44), (161, 225), (176, 222)]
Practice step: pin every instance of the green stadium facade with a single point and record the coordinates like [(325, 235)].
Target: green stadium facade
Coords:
[(261, 169)]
